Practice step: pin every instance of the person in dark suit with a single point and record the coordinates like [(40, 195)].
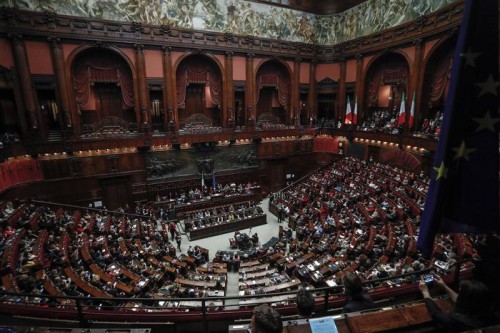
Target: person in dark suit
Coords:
[(305, 303), (358, 301)]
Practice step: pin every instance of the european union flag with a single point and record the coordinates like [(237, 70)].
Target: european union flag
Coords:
[(463, 193)]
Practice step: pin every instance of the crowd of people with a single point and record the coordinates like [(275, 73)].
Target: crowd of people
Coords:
[(221, 214), (369, 213), (361, 215), (92, 253), (384, 121), (431, 127), (186, 196), (9, 138)]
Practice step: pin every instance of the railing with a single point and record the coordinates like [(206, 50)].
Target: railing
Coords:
[(88, 311)]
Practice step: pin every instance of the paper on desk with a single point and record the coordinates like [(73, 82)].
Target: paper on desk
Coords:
[(323, 325)]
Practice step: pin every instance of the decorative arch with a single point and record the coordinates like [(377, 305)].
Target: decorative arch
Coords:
[(272, 93), (436, 81), (386, 78), (199, 88), (102, 81)]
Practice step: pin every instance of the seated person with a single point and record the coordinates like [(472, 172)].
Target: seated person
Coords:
[(473, 306), (305, 303), (358, 301), (190, 251), (266, 320), (255, 239)]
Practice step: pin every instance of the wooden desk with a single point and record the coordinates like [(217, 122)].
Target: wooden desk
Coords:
[(250, 269), (379, 321), (282, 286), (175, 262), (408, 318), (254, 283), (52, 289), (194, 283), (244, 264), (213, 270), (107, 278), (227, 226), (299, 261), (276, 256), (221, 265), (190, 261), (182, 209), (260, 274), (269, 300), (84, 285)]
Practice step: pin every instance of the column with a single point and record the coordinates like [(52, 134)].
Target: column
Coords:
[(62, 88), (169, 89), (24, 76), (295, 103), (341, 98), (228, 115), (250, 112), (416, 80), (360, 86), (312, 98), (143, 116)]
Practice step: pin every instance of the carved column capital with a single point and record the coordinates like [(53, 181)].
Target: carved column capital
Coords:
[(54, 41), (166, 49), (16, 38), (417, 42), (139, 48)]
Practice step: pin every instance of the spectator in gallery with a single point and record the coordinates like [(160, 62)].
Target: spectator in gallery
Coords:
[(266, 320), (357, 300), (473, 306), (305, 303)]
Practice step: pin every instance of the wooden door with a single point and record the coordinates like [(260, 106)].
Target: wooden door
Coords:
[(108, 100), (115, 192)]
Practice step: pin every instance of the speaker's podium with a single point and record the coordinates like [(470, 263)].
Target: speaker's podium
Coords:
[(412, 317)]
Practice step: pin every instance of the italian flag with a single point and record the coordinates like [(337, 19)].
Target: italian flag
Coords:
[(355, 114), (348, 112), (412, 112), (402, 111), (202, 181)]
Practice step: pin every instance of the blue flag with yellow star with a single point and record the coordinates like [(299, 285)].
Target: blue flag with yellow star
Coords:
[(463, 193)]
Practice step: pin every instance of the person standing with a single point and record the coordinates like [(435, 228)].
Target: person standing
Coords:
[(178, 240), (172, 228)]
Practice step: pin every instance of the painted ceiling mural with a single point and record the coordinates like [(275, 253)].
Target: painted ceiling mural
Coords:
[(246, 18)]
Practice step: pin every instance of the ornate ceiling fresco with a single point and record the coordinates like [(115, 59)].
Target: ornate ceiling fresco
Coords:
[(246, 18)]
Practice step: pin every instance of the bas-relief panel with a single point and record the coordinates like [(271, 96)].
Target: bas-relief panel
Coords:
[(246, 18), (175, 163)]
